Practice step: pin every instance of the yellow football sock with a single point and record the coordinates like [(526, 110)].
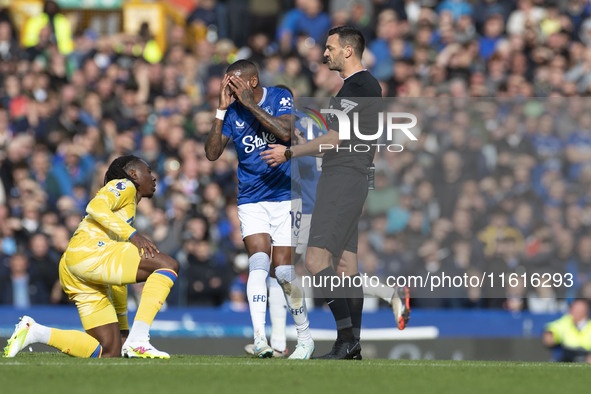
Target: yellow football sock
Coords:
[(119, 298), (154, 294), (75, 343)]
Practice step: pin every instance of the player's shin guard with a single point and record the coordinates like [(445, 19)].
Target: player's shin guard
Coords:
[(119, 294), (277, 313), (154, 294), (75, 343), (256, 290), (296, 302)]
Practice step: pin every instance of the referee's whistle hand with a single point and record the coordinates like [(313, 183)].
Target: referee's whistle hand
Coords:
[(275, 155)]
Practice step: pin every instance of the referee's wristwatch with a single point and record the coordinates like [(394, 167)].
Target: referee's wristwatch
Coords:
[(288, 154)]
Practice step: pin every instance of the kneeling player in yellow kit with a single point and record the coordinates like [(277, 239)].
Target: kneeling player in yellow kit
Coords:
[(105, 255)]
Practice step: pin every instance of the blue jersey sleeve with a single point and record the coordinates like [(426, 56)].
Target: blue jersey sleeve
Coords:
[(227, 125), (283, 103)]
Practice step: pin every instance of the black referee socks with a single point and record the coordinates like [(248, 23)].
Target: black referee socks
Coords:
[(355, 301), (335, 297)]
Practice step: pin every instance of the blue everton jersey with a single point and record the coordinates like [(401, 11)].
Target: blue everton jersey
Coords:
[(306, 169), (309, 168), (257, 181), (296, 187)]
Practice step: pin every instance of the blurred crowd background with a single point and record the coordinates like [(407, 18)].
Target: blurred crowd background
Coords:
[(492, 185)]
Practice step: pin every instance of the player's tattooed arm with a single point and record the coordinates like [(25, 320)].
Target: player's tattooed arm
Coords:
[(279, 126), (216, 141)]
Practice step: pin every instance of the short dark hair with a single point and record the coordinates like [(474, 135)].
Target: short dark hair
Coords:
[(246, 66), (51, 8), (118, 168), (350, 36)]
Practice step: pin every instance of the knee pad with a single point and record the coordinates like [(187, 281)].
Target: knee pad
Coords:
[(285, 273), (259, 261)]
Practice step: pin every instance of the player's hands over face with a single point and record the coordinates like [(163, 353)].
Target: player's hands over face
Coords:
[(244, 92), (300, 138), (225, 93), (146, 247), (275, 155)]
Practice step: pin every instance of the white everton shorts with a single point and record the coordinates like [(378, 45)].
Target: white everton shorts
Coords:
[(303, 233), (269, 217)]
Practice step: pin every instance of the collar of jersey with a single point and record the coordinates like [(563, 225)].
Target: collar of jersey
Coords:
[(356, 72), (264, 97)]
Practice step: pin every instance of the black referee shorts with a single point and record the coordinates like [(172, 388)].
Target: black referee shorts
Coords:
[(340, 196)]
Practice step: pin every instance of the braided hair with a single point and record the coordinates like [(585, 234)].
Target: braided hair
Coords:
[(117, 168)]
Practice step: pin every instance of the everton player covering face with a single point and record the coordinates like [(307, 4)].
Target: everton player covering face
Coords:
[(255, 117), (341, 192)]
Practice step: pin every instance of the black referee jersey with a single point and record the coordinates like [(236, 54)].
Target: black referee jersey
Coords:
[(362, 94)]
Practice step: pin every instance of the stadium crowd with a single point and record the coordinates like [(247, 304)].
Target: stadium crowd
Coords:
[(491, 185)]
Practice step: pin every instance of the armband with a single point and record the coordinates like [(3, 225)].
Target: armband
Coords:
[(220, 114)]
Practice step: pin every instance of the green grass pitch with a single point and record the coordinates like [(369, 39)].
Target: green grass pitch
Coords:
[(56, 373)]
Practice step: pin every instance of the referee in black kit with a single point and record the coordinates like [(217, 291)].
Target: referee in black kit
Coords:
[(342, 189)]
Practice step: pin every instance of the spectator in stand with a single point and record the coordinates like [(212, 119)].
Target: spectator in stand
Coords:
[(307, 19), (209, 20), (526, 16), (19, 288), (53, 23), (578, 147), (457, 8), (570, 335), (387, 29), (492, 35), (9, 48), (44, 263), (207, 279)]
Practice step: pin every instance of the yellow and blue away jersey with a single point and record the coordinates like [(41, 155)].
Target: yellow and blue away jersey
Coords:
[(110, 215)]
